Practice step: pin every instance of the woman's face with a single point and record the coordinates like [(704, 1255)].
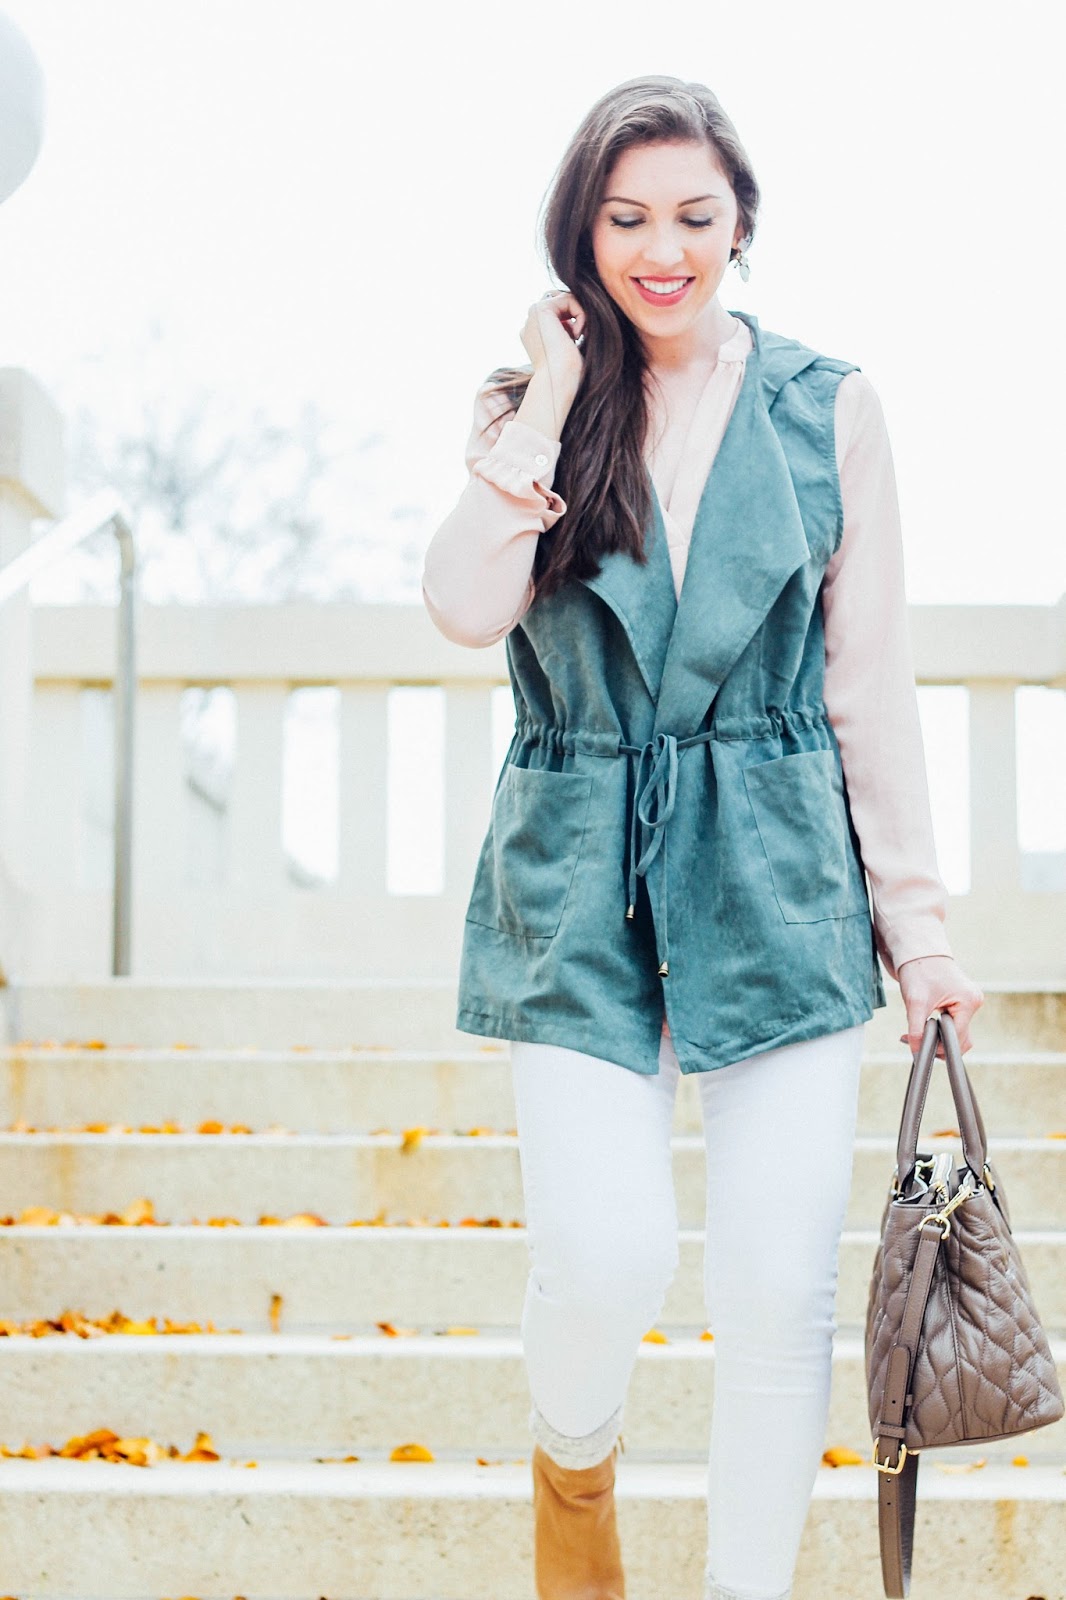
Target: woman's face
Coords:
[(668, 213)]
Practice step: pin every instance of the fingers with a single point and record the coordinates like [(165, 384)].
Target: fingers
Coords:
[(567, 310), (960, 1006), (962, 1011), (914, 1035)]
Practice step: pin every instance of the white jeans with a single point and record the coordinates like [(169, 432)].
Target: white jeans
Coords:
[(594, 1144)]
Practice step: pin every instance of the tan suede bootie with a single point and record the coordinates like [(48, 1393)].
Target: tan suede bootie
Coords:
[(576, 1554)]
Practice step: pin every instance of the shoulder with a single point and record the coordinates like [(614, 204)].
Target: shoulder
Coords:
[(835, 380), (788, 357), (799, 380), (859, 417)]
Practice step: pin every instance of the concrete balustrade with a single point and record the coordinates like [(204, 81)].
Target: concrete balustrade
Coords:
[(256, 914), (259, 919)]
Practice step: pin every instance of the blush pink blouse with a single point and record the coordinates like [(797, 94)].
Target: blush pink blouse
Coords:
[(477, 584)]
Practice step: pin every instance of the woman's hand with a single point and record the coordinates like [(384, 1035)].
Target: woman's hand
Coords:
[(937, 983), (551, 328)]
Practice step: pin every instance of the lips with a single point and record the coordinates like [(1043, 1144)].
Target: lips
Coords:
[(653, 298)]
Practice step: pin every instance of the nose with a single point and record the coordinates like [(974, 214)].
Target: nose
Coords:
[(664, 248)]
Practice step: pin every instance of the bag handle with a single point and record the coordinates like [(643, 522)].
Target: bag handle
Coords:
[(971, 1126)]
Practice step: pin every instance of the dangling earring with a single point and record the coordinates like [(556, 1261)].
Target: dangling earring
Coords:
[(742, 264)]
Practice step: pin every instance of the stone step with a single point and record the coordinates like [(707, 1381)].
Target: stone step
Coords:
[(297, 1395), (88, 1530), (341, 1177), (331, 1091), (351, 1279), (394, 1014)]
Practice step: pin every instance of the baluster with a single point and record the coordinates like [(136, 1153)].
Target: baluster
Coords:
[(467, 779)]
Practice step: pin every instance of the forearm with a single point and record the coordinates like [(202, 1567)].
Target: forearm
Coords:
[(544, 407), (477, 572), (871, 697)]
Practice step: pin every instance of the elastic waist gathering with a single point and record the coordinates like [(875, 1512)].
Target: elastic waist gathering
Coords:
[(655, 790)]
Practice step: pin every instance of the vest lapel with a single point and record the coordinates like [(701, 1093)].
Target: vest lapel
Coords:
[(643, 598), (747, 541)]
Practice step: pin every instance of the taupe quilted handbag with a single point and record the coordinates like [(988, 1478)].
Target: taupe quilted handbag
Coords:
[(955, 1353)]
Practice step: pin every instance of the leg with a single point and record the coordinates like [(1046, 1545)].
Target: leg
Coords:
[(601, 1214), (594, 1140), (779, 1130)]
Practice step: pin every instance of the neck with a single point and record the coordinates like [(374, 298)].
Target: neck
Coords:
[(695, 346)]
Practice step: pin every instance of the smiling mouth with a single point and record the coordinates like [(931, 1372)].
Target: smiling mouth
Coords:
[(663, 291)]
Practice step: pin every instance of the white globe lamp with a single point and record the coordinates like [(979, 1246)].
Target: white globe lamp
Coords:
[(21, 107)]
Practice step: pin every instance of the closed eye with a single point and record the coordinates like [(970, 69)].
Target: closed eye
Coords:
[(690, 222)]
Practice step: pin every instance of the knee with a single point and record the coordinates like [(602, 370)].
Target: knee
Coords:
[(778, 1302), (609, 1265)]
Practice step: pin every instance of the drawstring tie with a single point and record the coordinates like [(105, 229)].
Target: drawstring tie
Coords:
[(652, 809)]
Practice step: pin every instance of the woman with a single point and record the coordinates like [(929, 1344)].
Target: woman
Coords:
[(686, 529)]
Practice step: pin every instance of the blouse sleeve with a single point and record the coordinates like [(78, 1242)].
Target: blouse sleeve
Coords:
[(870, 689), (476, 577)]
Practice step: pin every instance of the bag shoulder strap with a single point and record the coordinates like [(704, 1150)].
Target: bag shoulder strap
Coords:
[(898, 1471)]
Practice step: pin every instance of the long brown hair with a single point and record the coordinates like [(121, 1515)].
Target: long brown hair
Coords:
[(601, 473)]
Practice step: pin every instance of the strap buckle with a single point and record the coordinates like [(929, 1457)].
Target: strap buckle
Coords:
[(886, 1465)]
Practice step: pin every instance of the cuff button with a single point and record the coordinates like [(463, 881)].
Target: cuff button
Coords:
[(542, 461)]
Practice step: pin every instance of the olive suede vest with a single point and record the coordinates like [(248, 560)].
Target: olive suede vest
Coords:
[(671, 826)]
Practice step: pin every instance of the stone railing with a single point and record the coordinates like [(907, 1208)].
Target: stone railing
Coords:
[(216, 889)]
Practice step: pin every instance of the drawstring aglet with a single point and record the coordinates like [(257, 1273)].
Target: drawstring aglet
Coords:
[(630, 912), (664, 969)]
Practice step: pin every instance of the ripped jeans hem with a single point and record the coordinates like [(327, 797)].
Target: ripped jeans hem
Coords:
[(568, 1450)]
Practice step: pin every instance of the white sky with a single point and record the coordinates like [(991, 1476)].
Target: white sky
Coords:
[(337, 200)]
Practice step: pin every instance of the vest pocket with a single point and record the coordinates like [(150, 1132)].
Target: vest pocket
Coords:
[(798, 802), (531, 851)]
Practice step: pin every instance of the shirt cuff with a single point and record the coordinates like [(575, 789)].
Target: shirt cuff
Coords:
[(918, 936), (522, 462)]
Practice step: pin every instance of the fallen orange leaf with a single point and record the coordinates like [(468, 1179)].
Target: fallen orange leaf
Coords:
[(202, 1450), (840, 1456), (411, 1452)]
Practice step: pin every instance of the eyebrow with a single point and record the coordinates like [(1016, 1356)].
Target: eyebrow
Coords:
[(625, 201)]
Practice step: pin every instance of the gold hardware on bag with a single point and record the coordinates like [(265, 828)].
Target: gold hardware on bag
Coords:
[(940, 1173), (919, 1163), (885, 1466), (965, 1193)]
